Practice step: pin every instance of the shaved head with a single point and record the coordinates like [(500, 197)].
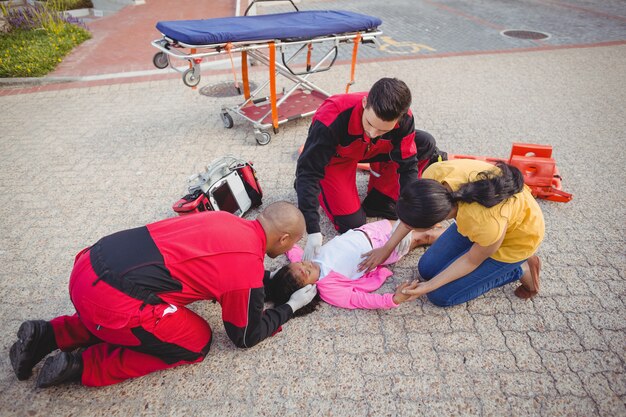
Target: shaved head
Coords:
[(283, 224)]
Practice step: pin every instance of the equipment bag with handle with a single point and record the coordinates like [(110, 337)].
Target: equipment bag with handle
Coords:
[(228, 184)]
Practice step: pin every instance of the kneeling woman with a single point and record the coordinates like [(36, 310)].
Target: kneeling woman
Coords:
[(498, 229)]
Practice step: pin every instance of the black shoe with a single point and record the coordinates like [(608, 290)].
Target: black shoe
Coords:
[(64, 367), (35, 340), (376, 204)]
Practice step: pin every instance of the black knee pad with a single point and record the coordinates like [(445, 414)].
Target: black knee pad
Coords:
[(425, 143), (350, 221), (207, 347), (377, 204)]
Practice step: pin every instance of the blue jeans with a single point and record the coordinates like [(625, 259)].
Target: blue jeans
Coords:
[(490, 274)]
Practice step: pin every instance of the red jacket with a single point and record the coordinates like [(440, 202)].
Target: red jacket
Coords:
[(205, 256), (336, 136)]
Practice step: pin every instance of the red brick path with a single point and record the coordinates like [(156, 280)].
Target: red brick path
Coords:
[(121, 42)]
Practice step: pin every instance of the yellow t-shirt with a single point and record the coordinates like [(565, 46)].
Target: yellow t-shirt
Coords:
[(520, 214)]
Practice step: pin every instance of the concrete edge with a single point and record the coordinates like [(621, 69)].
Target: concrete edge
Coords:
[(225, 64)]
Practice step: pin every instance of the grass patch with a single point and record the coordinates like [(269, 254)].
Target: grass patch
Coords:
[(37, 41), (36, 52)]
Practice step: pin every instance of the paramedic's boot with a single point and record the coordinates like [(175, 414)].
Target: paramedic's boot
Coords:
[(377, 204), (35, 340), (64, 367)]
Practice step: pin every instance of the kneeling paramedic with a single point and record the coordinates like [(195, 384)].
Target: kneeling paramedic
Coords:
[(130, 290), (375, 127)]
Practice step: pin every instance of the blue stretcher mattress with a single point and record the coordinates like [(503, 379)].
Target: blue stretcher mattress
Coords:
[(293, 25)]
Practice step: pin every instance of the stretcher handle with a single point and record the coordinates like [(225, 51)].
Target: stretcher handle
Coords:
[(264, 1), (308, 70)]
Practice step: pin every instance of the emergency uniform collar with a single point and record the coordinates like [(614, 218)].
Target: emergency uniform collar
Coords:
[(261, 232), (355, 125)]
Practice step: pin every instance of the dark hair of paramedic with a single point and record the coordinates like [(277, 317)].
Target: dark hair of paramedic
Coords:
[(497, 230), (130, 291), (376, 127)]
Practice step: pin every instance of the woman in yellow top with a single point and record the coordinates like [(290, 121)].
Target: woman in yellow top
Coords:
[(498, 229)]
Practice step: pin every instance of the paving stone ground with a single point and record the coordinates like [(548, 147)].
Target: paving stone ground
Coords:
[(77, 164)]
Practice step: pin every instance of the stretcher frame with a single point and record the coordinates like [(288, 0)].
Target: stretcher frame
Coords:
[(263, 112)]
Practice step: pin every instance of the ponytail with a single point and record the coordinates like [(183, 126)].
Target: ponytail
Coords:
[(427, 202), (491, 188)]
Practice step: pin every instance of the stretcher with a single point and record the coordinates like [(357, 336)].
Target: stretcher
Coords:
[(538, 167), (535, 162), (274, 40)]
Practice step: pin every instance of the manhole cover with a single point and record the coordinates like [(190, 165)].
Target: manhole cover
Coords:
[(224, 89), (525, 34)]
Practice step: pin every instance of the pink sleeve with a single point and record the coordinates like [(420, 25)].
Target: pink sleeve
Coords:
[(371, 301), (340, 291)]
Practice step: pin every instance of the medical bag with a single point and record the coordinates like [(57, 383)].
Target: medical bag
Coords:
[(227, 184)]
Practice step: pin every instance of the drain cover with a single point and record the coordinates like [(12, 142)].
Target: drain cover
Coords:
[(224, 89), (525, 34)]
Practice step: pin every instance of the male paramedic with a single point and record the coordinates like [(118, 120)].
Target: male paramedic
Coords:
[(375, 127), (130, 290)]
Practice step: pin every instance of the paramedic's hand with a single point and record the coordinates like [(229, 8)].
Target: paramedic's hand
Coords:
[(374, 258), (399, 297), (313, 244), (302, 297)]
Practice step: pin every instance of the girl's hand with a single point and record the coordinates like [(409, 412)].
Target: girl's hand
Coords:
[(399, 297), (416, 290), (374, 258)]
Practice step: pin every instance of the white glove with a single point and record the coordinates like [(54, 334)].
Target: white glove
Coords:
[(313, 244), (302, 297), (405, 244)]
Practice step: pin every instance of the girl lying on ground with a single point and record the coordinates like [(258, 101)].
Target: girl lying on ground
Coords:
[(498, 229), (335, 269)]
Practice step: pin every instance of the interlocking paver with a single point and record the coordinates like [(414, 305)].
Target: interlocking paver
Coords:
[(79, 163)]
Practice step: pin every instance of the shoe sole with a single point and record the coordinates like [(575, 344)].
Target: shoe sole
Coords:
[(52, 371), (25, 336)]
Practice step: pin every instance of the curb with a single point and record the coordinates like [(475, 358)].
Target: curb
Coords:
[(37, 81)]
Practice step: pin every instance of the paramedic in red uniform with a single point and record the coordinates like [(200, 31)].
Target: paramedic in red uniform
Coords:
[(130, 290), (375, 127)]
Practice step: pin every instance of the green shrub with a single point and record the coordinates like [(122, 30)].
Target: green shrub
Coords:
[(36, 52), (38, 40)]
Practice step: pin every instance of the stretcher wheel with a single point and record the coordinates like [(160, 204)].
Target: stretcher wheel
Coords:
[(160, 60), (227, 120), (262, 138), (190, 78)]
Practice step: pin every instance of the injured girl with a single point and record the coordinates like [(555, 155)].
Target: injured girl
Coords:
[(335, 269)]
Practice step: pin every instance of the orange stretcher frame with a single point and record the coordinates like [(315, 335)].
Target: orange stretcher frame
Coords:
[(536, 164)]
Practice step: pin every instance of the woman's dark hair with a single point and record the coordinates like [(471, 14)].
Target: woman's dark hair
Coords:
[(390, 98), (426, 202), (279, 289)]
